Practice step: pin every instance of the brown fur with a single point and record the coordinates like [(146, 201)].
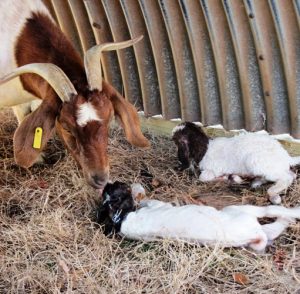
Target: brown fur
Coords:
[(24, 153), (126, 113), (42, 41)]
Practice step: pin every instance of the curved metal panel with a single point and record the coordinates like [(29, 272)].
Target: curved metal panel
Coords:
[(230, 62), (144, 57), (119, 29), (66, 22), (270, 64), (163, 59), (207, 80), (297, 10), (229, 85), (102, 34), (49, 5), (184, 65), (289, 39), (82, 24), (251, 87)]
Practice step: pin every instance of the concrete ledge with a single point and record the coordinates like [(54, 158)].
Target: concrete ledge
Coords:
[(160, 126)]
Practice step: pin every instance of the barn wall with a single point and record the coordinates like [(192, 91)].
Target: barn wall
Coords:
[(229, 62)]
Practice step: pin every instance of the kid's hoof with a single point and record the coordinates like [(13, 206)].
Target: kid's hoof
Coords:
[(275, 199)]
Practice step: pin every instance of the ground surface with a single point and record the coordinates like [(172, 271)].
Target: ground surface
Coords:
[(50, 244)]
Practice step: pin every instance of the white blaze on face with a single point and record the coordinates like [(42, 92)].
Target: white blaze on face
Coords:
[(86, 113)]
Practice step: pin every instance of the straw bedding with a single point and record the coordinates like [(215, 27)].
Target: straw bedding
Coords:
[(49, 242)]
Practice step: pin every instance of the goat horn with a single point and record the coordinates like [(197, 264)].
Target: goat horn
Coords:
[(51, 73), (92, 60)]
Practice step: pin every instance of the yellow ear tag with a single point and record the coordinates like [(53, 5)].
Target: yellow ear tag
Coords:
[(37, 140)]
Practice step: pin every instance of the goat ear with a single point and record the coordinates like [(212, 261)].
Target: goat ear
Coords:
[(43, 117), (102, 214), (183, 154), (104, 220), (128, 116)]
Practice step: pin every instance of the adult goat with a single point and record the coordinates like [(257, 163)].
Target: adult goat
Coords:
[(75, 99)]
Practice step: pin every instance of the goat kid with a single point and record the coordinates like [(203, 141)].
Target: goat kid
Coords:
[(248, 155), (39, 62), (233, 226)]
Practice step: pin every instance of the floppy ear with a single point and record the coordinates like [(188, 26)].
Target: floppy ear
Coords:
[(103, 219), (128, 116), (102, 214), (43, 117), (183, 153)]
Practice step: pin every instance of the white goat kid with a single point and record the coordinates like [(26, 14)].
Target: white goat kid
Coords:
[(235, 226), (251, 155)]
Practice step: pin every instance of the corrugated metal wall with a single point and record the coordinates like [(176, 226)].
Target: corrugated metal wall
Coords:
[(229, 62)]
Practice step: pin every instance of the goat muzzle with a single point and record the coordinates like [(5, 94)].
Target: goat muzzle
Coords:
[(98, 180)]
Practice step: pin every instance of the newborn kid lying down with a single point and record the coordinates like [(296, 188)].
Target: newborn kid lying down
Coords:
[(152, 219)]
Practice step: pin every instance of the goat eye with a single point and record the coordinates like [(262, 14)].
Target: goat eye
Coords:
[(68, 131), (114, 198)]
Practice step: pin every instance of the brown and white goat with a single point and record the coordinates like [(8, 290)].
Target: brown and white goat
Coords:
[(38, 61)]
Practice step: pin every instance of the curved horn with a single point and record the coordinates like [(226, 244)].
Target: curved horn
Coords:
[(92, 60), (51, 73)]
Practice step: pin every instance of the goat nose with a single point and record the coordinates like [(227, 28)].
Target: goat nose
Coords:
[(100, 179)]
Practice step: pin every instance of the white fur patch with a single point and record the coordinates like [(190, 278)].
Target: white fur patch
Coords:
[(86, 113), (178, 128), (137, 189)]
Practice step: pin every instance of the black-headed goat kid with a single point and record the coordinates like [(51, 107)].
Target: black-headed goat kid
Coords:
[(250, 155), (235, 226)]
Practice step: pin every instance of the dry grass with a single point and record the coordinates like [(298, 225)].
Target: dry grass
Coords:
[(50, 244)]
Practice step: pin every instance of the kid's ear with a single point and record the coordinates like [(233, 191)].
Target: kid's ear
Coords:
[(44, 118), (102, 214), (183, 154), (104, 220)]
